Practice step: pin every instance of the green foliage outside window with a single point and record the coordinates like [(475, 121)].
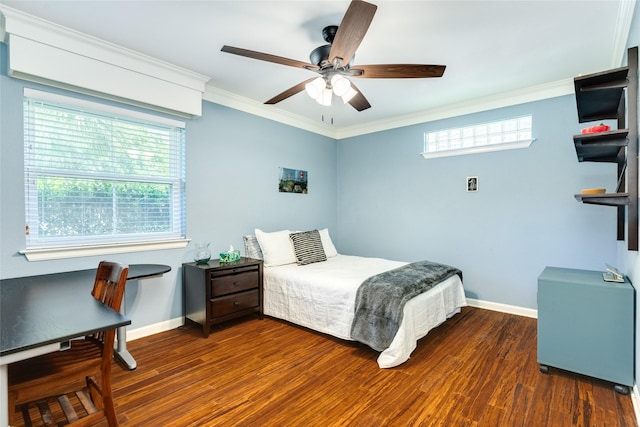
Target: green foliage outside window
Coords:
[(96, 177)]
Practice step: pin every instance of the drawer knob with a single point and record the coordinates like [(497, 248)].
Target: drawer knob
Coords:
[(236, 283), (236, 303)]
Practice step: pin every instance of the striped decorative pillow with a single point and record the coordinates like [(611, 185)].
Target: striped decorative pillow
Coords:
[(252, 247), (307, 246)]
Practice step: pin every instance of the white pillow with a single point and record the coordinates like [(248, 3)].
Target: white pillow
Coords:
[(277, 248), (327, 244)]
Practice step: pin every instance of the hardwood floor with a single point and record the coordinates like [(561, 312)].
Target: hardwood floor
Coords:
[(478, 369)]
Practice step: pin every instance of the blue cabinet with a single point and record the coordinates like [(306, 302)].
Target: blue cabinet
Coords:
[(586, 325)]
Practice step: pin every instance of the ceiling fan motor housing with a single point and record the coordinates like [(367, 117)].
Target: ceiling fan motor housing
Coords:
[(320, 55), (329, 33)]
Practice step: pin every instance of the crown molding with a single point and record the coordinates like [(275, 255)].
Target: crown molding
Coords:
[(46, 32), (237, 102), (13, 21), (621, 32), (492, 102)]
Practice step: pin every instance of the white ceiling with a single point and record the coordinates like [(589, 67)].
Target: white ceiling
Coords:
[(489, 47)]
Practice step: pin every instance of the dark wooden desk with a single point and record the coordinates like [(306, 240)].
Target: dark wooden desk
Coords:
[(40, 313)]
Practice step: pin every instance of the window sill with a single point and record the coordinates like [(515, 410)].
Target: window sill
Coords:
[(43, 254), (480, 149)]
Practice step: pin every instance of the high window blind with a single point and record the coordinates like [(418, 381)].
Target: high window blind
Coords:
[(96, 174)]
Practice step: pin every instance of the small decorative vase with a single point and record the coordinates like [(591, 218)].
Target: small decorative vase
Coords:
[(203, 254)]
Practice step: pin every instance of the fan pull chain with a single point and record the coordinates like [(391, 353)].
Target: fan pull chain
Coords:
[(331, 119)]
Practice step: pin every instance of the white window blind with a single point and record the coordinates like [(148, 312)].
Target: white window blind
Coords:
[(96, 174), (499, 135)]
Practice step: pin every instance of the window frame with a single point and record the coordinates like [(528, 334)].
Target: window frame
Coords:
[(117, 243), (480, 148)]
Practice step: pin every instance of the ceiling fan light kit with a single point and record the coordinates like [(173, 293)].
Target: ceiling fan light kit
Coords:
[(322, 91), (340, 85), (315, 87), (334, 62), (348, 96), (325, 97)]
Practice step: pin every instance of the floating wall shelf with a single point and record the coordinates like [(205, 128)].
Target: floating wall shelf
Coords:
[(609, 95)]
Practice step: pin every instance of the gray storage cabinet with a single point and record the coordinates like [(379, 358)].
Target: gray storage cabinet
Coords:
[(586, 325)]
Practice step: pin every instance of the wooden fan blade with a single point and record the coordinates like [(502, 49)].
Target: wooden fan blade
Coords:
[(351, 31), (359, 102), (289, 92), (398, 71), (269, 58)]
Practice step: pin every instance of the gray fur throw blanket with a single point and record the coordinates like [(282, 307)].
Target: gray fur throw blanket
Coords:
[(381, 298)]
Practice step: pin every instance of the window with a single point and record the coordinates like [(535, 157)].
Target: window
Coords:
[(499, 135), (100, 175)]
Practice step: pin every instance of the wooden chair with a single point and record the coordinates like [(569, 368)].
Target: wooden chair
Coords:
[(69, 378)]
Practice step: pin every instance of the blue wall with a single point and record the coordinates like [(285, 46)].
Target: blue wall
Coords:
[(375, 193), (232, 161), (233, 168), (393, 203)]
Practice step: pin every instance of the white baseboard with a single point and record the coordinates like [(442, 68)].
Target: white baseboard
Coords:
[(635, 399), (503, 308), (167, 325), (145, 331)]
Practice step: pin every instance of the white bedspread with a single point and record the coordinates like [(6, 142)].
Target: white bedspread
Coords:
[(321, 296)]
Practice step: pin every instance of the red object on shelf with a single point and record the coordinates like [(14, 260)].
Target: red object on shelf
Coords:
[(596, 129)]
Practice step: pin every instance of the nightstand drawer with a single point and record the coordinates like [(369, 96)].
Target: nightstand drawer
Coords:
[(232, 269), (216, 292), (224, 285), (234, 303)]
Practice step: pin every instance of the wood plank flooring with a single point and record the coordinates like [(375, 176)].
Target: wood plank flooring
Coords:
[(478, 369)]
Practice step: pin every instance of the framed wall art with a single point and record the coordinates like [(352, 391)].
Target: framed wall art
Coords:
[(472, 184), (293, 181)]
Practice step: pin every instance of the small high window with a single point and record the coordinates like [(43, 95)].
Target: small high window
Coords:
[(499, 135)]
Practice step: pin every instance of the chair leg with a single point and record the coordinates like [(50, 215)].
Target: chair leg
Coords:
[(110, 411), (104, 401)]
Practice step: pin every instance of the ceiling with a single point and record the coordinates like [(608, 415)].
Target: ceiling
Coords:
[(489, 47)]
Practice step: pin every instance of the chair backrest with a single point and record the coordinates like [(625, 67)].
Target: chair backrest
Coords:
[(108, 287)]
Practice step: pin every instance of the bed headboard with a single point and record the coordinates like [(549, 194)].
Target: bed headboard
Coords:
[(252, 247)]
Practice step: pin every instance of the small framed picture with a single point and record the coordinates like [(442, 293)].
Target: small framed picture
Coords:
[(472, 183), (293, 181)]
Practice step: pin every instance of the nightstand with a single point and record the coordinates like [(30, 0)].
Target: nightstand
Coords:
[(215, 292)]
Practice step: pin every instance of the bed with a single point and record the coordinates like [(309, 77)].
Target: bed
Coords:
[(323, 294)]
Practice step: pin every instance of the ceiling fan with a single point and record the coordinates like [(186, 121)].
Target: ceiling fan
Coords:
[(333, 62)]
